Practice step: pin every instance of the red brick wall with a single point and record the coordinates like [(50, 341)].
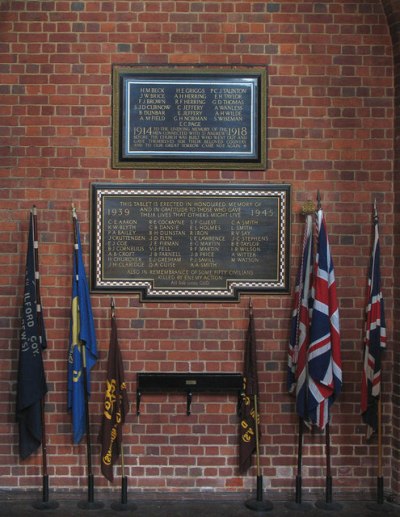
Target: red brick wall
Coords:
[(392, 10), (330, 127)]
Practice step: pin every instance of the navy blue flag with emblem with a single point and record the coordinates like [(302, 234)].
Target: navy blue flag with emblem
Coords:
[(82, 354), (31, 386)]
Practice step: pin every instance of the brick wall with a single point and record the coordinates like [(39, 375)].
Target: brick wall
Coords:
[(330, 127), (392, 10)]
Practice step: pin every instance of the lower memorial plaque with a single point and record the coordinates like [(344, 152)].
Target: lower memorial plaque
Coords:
[(197, 242)]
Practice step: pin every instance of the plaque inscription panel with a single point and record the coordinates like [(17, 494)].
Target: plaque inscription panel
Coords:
[(190, 242), (207, 118)]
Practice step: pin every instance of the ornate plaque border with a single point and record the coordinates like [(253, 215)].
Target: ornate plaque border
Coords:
[(127, 79), (233, 286)]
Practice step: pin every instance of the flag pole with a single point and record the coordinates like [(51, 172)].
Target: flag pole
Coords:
[(380, 504), (328, 504), (307, 209), (380, 497), (90, 503), (44, 504), (123, 505), (257, 504)]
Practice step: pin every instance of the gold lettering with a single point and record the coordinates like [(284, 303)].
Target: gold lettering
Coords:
[(110, 398)]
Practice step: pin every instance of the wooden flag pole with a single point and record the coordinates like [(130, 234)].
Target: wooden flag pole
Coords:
[(90, 503), (380, 505), (123, 504), (380, 497), (44, 504), (257, 504)]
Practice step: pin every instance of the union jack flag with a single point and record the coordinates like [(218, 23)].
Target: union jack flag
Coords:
[(300, 325), (375, 339), (324, 358)]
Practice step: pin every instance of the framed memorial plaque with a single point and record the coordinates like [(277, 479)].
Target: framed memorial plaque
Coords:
[(203, 118), (190, 242)]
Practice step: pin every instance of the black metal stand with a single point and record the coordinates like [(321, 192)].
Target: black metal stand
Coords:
[(90, 504), (45, 504), (297, 505), (328, 504), (380, 505), (258, 504), (123, 505)]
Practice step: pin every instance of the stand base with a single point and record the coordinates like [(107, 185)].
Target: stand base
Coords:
[(299, 507), (379, 507), (330, 507), (123, 507), (45, 505), (259, 506), (87, 505)]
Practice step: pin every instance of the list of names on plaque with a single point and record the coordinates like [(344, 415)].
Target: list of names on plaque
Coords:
[(211, 116), (189, 242)]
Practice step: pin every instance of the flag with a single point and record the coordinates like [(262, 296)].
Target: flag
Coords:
[(375, 339), (82, 354), (31, 386), (247, 434), (300, 324), (324, 359), (116, 406)]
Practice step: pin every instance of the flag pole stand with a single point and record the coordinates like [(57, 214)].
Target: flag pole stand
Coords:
[(44, 504), (297, 504), (258, 504), (90, 504), (379, 505), (123, 505), (328, 504)]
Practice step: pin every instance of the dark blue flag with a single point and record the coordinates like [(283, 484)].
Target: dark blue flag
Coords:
[(31, 377), (82, 354)]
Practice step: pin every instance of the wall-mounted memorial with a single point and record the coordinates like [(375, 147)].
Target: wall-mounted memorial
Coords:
[(197, 118), (190, 242)]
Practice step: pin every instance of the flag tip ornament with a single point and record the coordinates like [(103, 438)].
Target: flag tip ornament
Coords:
[(308, 208)]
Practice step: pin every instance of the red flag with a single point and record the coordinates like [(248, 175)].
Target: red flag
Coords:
[(116, 406)]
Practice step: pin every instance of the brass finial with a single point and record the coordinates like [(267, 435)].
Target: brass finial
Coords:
[(308, 208), (250, 307)]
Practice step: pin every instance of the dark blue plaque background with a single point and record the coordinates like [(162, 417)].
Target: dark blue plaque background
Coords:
[(207, 117)]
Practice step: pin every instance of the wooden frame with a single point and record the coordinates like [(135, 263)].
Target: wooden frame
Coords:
[(190, 242), (197, 118)]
